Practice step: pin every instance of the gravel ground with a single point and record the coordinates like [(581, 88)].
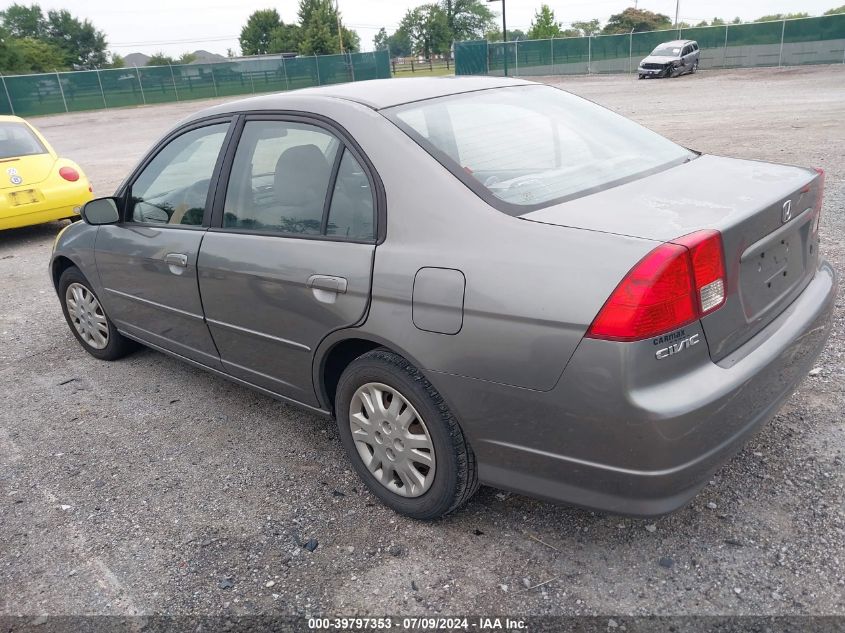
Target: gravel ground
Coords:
[(148, 486)]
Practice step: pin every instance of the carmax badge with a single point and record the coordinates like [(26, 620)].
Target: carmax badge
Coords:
[(678, 347)]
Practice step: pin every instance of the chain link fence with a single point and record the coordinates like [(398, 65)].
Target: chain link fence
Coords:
[(49, 93), (783, 43)]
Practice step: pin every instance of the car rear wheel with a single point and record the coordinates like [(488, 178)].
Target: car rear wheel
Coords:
[(402, 439), (88, 320), (694, 68)]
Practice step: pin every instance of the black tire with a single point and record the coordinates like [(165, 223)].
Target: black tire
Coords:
[(641, 76), (694, 68), (456, 474), (118, 345)]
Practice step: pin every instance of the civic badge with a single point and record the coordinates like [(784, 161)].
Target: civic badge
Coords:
[(786, 216)]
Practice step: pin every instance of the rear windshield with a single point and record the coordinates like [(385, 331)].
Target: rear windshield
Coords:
[(16, 139), (527, 147)]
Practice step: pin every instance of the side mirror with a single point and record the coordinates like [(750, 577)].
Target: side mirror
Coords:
[(101, 211)]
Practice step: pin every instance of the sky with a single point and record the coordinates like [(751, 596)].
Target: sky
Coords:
[(177, 26)]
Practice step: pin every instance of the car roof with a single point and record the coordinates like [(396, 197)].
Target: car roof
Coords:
[(677, 43), (375, 93)]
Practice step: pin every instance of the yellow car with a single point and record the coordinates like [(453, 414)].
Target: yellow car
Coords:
[(35, 184)]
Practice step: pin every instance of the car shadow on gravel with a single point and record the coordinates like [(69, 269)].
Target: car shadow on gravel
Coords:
[(10, 238)]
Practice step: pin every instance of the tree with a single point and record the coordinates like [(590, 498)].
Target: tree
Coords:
[(38, 56), (351, 40), (400, 43), (544, 25), (638, 19), (428, 30), (835, 11), (22, 21), (380, 41), (9, 57), (467, 19), (777, 17), (83, 45), (514, 35), (187, 58), (286, 39), (587, 27), (160, 59), (258, 32), (318, 36), (117, 61), (318, 21)]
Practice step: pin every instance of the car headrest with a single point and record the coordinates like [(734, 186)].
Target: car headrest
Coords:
[(302, 176)]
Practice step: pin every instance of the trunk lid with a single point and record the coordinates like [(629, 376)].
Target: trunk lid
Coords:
[(31, 170), (770, 256)]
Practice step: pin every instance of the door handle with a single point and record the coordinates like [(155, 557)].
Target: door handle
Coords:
[(329, 283), (176, 259)]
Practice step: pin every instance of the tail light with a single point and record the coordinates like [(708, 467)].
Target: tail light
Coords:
[(675, 284), (69, 174)]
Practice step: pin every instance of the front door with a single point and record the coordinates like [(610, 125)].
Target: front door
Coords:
[(148, 262), (290, 258)]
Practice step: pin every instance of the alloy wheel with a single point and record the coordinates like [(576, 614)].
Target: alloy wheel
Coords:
[(87, 316), (392, 439)]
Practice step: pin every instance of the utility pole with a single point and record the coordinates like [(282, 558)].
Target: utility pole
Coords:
[(504, 33), (339, 28), (677, 10)]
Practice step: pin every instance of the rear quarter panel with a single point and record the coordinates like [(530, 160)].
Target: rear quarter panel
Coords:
[(531, 289)]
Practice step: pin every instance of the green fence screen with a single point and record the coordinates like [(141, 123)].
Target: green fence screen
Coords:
[(783, 43), (28, 95)]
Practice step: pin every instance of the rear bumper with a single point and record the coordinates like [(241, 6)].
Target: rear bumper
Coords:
[(66, 202), (625, 433)]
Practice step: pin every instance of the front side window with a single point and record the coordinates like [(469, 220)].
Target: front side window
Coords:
[(280, 178), (522, 148), (16, 139), (173, 187)]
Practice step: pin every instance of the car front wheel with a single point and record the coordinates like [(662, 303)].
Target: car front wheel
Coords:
[(402, 439), (88, 320)]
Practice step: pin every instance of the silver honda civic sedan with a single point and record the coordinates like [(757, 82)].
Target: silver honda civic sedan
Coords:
[(483, 280)]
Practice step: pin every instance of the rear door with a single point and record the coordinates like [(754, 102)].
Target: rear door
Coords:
[(686, 55), (148, 262), (290, 254)]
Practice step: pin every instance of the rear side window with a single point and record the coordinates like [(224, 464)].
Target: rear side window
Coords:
[(280, 178), (16, 139), (524, 148), (298, 179), (352, 211)]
